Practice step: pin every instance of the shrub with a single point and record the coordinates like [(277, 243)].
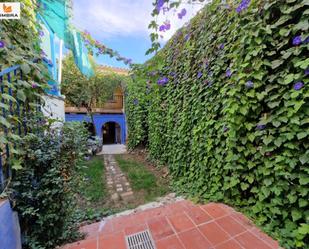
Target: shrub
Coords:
[(43, 188), (225, 105)]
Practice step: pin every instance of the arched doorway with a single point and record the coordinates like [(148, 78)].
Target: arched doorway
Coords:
[(111, 133)]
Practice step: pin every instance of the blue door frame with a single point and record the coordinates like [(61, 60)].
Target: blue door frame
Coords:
[(100, 120)]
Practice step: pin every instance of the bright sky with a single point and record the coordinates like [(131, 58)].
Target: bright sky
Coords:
[(122, 25)]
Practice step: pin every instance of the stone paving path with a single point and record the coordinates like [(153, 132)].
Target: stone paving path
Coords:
[(117, 183), (179, 225)]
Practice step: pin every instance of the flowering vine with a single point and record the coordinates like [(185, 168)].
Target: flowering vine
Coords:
[(99, 48), (161, 7)]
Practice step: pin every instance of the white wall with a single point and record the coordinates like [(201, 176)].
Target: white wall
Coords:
[(54, 107)]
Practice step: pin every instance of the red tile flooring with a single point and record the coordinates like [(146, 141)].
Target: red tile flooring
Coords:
[(180, 225)]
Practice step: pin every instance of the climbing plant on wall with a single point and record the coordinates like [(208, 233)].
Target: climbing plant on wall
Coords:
[(18, 47), (225, 105)]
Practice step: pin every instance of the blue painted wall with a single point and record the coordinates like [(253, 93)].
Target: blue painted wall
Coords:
[(100, 120), (9, 227)]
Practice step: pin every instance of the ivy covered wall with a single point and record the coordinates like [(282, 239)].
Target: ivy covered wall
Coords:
[(225, 105)]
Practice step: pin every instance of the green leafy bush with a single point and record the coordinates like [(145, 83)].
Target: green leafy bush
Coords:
[(225, 105), (43, 187)]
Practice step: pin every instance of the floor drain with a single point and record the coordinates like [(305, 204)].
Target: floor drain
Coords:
[(142, 240)]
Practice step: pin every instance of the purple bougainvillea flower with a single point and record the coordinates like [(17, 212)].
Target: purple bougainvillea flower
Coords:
[(160, 4), (182, 13), (2, 44), (297, 40), (228, 73), (249, 84), (221, 46), (162, 28), (167, 26), (41, 33), (225, 129), (260, 127), (307, 71), (242, 6), (199, 74), (298, 85), (34, 85), (162, 81)]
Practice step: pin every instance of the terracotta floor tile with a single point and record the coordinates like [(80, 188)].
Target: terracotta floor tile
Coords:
[(84, 244), (230, 244), (187, 204), (91, 230), (139, 218), (243, 220), (135, 228), (180, 222), (176, 207), (193, 239), (198, 215), (215, 210), (249, 241), (171, 242), (120, 223), (214, 233), (267, 239), (115, 241), (106, 228), (156, 212), (230, 225), (160, 228), (209, 226)]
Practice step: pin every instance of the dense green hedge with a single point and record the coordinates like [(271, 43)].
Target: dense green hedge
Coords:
[(231, 117)]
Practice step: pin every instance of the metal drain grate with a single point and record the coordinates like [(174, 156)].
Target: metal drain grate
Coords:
[(142, 240)]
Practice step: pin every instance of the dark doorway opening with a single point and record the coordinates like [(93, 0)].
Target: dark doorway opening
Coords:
[(111, 133)]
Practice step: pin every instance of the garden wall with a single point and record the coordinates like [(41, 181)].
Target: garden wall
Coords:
[(9, 227), (225, 105)]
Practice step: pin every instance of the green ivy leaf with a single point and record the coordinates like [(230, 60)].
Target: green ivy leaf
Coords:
[(302, 202), (304, 158), (25, 68), (303, 180), (21, 95), (302, 135), (4, 122), (296, 215)]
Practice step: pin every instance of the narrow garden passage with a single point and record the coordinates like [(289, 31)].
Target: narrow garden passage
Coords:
[(117, 183), (178, 225)]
